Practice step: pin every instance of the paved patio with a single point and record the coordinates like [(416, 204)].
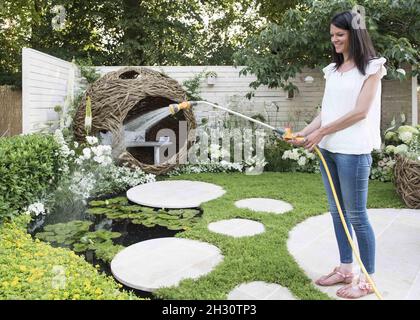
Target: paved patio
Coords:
[(312, 243)]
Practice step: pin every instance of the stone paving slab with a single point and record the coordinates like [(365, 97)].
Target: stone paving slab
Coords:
[(164, 262), (237, 227), (397, 231), (259, 290), (175, 194), (264, 205)]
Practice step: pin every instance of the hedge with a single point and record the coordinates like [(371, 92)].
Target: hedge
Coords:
[(29, 167)]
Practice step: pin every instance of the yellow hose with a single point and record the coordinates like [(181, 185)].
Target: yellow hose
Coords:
[(174, 108), (343, 221)]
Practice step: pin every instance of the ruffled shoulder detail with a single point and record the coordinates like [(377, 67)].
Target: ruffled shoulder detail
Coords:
[(328, 69), (374, 65)]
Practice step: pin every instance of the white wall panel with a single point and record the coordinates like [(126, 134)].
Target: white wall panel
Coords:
[(46, 82)]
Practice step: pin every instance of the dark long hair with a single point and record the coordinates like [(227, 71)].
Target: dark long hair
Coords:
[(361, 48)]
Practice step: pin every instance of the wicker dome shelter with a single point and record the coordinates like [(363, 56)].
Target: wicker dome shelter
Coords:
[(129, 93), (407, 181)]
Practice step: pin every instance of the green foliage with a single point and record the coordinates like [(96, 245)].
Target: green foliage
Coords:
[(33, 270), (87, 70), (64, 233), (273, 154), (76, 235), (192, 87), (29, 167), (125, 32), (301, 39), (274, 10), (119, 208)]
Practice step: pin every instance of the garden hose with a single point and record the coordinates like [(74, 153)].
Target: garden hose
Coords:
[(286, 134)]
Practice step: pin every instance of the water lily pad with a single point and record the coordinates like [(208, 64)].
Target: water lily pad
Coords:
[(117, 200), (99, 210), (167, 216), (97, 203), (134, 208)]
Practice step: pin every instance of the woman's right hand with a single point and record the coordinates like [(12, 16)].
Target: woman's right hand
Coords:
[(297, 142)]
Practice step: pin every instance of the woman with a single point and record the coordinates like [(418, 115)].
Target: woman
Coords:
[(346, 131)]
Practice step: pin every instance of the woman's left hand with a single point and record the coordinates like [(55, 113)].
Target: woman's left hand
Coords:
[(313, 139)]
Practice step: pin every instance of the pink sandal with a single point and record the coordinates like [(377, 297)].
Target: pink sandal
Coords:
[(343, 278), (362, 289)]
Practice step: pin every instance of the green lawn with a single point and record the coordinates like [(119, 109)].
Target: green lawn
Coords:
[(263, 257)]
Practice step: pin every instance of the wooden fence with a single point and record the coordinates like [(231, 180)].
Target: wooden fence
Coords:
[(10, 111)]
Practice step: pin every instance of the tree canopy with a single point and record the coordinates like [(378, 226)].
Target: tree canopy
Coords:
[(302, 39), (126, 32)]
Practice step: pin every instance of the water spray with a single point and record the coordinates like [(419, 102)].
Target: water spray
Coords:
[(287, 135)]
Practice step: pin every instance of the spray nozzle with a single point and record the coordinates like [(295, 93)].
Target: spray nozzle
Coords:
[(286, 134), (176, 107)]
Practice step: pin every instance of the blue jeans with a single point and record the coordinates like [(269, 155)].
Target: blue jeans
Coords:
[(350, 175)]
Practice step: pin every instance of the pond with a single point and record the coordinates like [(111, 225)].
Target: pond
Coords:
[(105, 225)]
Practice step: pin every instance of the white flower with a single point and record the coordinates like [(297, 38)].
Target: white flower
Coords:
[(88, 122), (58, 136), (86, 153), (37, 208), (408, 128), (402, 71), (302, 161), (295, 154), (91, 140), (76, 144), (402, 148), (405, 136), (98, 159)]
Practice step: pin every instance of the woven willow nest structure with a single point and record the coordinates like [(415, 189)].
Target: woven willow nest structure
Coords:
[(127, 94), (407, 181)]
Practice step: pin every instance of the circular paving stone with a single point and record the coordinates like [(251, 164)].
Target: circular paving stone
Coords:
[(265, 205), (163, 262), (174, 194), (259, 290), (237, 227)]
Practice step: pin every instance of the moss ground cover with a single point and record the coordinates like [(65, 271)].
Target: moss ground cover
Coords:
[(32, 269)]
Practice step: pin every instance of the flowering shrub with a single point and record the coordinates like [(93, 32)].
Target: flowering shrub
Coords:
[(382, 166), (302, 160), (216, 155), (405, 141), (91, 172), (206, 166), (36, 209), (30, 166)]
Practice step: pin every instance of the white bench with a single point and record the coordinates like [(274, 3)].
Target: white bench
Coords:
[(155, 144)]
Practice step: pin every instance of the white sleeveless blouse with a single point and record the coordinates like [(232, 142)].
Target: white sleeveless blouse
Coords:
[(341, 92)]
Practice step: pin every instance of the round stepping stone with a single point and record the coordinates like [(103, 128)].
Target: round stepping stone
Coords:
[(164, 262), (237, 227), (265, 205), (397, 231), (259, 290), (174, 194)]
